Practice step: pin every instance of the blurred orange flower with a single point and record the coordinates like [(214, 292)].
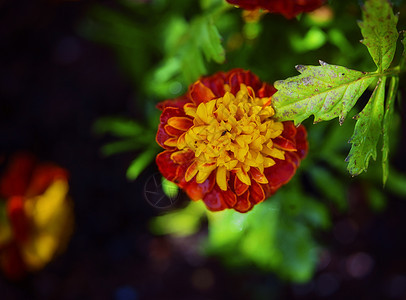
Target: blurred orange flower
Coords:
[(222, 144), (288, 8), (36, 215)]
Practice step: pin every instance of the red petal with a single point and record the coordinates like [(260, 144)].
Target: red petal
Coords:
[(243, 204), (280, 173), (236, 77), (289, 130), (257, 194), (183, 156), (17, 176), (288, 8), (301, 141), (196, 191), (215, 83), (18, 218), (172, 131), (199, 93), (266, 91), (229, 197), (12, 263), (178, 102), (166, 166), (162, 136), (239, 187), (294, 158), (257, 175), (170, 112), (214, 200), (42, 178)]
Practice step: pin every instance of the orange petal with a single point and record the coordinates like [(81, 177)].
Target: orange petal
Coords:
[(284, 144), (257, 194), (239, 186), (182, 156), (229, 197), (200, 93), (196, 191), (172, 142), (172, 131), (243, 204), (191, 171), (258, 176), (181, 123)]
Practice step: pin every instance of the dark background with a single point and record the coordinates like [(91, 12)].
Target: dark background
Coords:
[(53, 86)]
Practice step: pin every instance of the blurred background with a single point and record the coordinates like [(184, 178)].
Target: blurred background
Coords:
[(79, 82)]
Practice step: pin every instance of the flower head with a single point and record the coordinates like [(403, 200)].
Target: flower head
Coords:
[(288, 8), (222, 144), (36, 215)]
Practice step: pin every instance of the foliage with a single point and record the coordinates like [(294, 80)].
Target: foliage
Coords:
[(164, 45), (331, 91)]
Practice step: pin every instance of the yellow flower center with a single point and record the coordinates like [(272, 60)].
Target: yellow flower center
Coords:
[(231, 133)]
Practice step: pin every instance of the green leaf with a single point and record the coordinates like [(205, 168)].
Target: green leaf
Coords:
[(182, 222), (117, 126), (403, 59), (379, 31), (276, 236), (325, 91), (120, 146), (397, 183), (367, 131), (330, 187), (376, 198), (140, 163), (169, 188), (210, 40), (393, 88)]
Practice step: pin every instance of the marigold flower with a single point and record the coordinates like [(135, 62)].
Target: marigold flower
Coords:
[(222, 144), (288, 8), (36, 215)]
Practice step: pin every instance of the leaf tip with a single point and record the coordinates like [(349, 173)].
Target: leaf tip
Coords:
[(300, 68), (322, 63)]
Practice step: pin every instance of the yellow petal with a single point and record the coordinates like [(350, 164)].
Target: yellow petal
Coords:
[(221, 178), (191, 171), (243, 177)]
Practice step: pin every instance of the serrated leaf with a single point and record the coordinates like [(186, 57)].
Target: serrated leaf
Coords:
[(325, 91), (367, 131), (211, 41), (389, 108), (139, 164), (379, 31)]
